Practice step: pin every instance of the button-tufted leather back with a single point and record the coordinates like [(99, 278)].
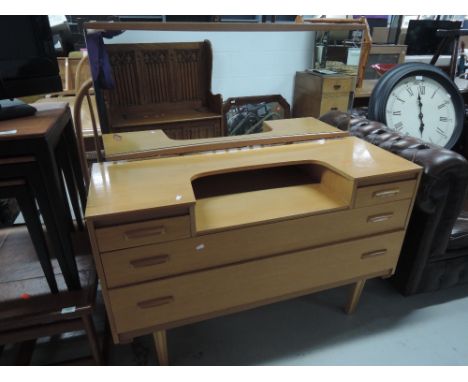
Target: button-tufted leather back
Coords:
[(439, 199)]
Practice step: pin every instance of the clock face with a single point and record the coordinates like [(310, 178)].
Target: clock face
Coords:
[(421, 107)]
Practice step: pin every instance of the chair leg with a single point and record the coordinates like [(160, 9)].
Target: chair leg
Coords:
[(92, 338), (74, 157), (70, 182), (160, 343), (107, 341), (25, 353), (354, 296)]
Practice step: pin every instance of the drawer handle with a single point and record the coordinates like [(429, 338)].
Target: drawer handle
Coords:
[(148, 261), (380, 252), (379, 218), (139, 233), (154, 302), (336, 87), (334, 108), (386, 193)]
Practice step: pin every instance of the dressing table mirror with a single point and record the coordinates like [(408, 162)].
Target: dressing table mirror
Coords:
[(160, 87)]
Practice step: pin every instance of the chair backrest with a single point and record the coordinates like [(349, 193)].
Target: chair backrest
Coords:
[(165, 76), (78, 114), (82, 73)]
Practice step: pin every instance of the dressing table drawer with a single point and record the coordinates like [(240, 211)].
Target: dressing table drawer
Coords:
[(154, 261), (213, 292), (142, 233), (384, 193)]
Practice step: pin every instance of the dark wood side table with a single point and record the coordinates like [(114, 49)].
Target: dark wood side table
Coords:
[(49, 137)]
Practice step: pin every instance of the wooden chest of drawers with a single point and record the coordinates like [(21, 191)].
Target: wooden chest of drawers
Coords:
[(315, 94), (178, 240)]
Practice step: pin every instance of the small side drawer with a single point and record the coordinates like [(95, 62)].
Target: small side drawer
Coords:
[(141, 233), (336, 85), (383, 193)]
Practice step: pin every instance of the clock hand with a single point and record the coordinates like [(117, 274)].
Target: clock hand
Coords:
[(420, 115)]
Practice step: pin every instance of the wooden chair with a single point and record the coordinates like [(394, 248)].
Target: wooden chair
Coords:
[(29, 311), (80, 116), (163, 86)]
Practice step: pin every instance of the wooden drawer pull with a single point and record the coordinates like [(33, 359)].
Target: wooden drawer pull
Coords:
[(379, 218), (386, 193), (155, 302), (148, 261), (138, 234), (336, 87), (380, 252)]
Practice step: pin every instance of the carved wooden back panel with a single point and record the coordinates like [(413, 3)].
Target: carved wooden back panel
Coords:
[(159, 73)]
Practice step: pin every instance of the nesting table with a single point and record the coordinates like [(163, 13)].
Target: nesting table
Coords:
[(41, 152)]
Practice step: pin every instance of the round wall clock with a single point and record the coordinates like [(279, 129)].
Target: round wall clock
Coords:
[(419, 100)]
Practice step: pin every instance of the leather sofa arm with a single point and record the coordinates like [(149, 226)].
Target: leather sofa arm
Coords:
[(442, 188)]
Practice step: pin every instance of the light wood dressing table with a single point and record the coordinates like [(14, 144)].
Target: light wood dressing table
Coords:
[(182, 239)]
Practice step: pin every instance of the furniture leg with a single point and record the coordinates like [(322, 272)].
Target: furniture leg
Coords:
[(51, 181), (354, 296), (92, 338), (31, 216), (71, 181), (63, 191), (25, 352), (160, 343), (74, 156)]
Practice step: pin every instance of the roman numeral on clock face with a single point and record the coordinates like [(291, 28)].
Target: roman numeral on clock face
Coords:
[(441, 132), (442, 105), (443, 119), (398, 98), (422, 89), (397, 112), (398, 125), (409, 91)]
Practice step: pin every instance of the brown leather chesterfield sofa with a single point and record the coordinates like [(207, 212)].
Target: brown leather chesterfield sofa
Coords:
[(435, 249)]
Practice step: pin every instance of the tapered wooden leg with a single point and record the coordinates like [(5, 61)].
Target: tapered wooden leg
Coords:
[(161, 347), (354, 296), (92, 338)]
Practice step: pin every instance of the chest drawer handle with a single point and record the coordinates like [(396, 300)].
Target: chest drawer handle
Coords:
[(336, 87), (379, 218), (154, 302), (386, 193), (148, 261), (139, 233), (367, 255)]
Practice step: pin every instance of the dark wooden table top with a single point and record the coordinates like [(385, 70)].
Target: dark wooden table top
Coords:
[(48, 115)]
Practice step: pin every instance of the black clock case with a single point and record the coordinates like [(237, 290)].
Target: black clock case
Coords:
[(384, 87)]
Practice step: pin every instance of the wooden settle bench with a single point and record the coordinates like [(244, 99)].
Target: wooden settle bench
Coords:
[(163, 86)]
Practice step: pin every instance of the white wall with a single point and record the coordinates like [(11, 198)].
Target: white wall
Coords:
[(244, 63)]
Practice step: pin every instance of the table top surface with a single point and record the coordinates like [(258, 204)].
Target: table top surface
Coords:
[(152, 184), (141, 144), (48, 115)]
